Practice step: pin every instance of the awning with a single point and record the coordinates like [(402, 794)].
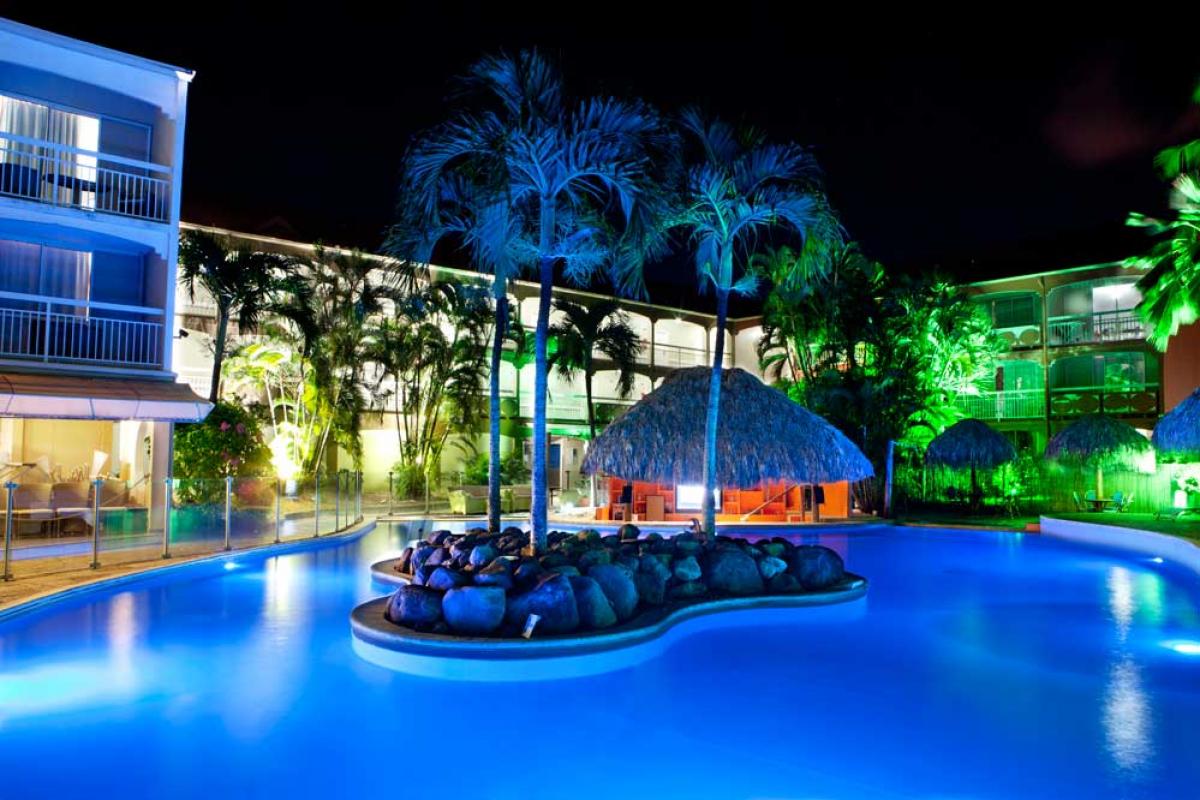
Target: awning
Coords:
[(80, 397)]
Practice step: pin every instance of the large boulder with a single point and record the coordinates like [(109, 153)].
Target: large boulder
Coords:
[(421, 576), (619, 588), (439, 556), (784, 583), (417, 607), (552, 599), (404, 565), (498, 573), (419, 556), (686, 543), (439, 537), (591, 558), (651, 580), (527, 573), (730, 571), (689, 590), (595, 610), (686, 569), (444, 579), (770, 566), (474, 610), (482, 555), (628, 532), (817, 567)]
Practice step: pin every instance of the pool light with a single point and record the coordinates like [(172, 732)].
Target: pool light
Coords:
[(230, 566), (1183, 647)]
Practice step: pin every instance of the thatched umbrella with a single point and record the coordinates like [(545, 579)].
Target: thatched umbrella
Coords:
[(1177, 435), (762, 435), (970, 443), (1095, 440)]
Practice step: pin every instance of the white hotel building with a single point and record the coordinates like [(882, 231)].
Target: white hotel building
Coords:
[(91, 157)]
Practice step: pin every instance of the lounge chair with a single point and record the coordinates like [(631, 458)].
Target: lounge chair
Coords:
[(1126, 502), (31, 506), (467, 500)]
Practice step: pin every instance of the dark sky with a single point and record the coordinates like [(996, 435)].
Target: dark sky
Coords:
[(984, 149)]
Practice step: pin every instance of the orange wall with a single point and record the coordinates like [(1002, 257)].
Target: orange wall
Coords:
[(1181, 366)]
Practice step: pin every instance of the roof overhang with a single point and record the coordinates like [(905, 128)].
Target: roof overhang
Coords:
[(79, 397)]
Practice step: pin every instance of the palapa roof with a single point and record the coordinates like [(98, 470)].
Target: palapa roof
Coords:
[(1177, 435), (762, 435), (970, 443), (1096, 437)]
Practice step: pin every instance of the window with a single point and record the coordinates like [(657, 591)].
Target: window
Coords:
[(31, 269), (1012, 310), (1110, 371)]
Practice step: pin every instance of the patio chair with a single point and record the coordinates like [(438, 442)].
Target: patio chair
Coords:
[(1124, 503), (1078, 503)]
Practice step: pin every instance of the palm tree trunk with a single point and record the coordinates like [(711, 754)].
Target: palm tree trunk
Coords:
[(494, 413), (714, 411), (591, 412), (214, 390), (539, 505)]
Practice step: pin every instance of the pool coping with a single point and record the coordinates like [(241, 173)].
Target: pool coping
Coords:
[(1151, 543), (152, 569), (368, 625)]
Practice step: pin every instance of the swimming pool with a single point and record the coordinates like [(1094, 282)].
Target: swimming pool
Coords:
[(979, 665)]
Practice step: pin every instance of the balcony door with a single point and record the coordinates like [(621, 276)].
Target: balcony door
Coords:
[(46, 171)]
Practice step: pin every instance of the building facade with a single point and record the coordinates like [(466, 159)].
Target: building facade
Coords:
[(91, 159), (1077, 346)]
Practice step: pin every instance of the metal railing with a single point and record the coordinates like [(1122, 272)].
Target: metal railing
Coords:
[(1135, 401), (68, 525), (571, 406), (1010, 404), (674, 356), (50, 329), (1103, 326), (60, 175)]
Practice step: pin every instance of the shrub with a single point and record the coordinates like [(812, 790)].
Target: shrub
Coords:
[(228, 442)]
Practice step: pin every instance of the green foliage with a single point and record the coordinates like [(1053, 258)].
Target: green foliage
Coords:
[(584, 330), (431, 355), (228, 442), (882, 358), (512, 469)]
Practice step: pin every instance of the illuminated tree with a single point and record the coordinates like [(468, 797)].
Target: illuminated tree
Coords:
[(580, 174), (1171, 287), (739, 189)]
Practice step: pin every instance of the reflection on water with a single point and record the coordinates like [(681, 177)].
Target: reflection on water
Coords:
[(1120, 599), (1127, 717)]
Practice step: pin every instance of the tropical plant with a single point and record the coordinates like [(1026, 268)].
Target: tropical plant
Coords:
[(1171, 286), (739, 189), (241, 281), (326, 312), (228, 442), (585, 331), (431, 355), (580, 176)]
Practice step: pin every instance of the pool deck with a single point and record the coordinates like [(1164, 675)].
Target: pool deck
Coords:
[(57, 575)]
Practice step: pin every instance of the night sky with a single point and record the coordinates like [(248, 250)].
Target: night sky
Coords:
[(984, 150)]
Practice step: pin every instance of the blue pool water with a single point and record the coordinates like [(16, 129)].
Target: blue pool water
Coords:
[(979, 665)]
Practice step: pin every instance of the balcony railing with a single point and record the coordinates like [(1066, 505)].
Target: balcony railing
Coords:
[(1135, 401), (58, 175), (674, 356), (1011, 404), (50, 329), (1021, 335), (569, 406), (1103, 326)]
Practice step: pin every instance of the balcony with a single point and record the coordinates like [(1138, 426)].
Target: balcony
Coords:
[(568, 406), (1018, 336), (1128, 401), (1104, 326), (58, 175), (673, 356), (58, 330), (1012, 404)]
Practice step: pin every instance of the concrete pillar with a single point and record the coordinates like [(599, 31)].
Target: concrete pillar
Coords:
[(162, 453)]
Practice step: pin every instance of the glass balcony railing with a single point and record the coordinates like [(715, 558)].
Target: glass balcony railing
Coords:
[(1103, 326), (55, 329), (58, 175), (673, 356)]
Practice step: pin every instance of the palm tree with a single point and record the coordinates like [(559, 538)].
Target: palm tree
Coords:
[(579, 174), (585, 331), (1171, 287), (327, 306), (740, 189), (480, 218), (241, 282)]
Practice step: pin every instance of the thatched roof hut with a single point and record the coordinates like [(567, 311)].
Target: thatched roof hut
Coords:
[(970, 443), (762, 435), (1177, 435), (1097, 438)]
